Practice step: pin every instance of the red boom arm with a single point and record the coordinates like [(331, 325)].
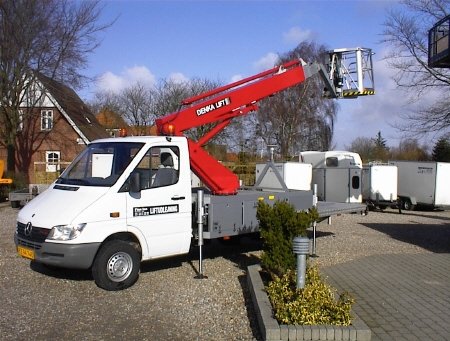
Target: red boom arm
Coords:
[(220, 106)]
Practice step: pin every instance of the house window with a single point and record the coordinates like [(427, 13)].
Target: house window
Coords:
[(52, 159), (46, 119)]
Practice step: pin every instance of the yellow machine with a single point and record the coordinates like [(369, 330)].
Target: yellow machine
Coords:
[(4, 181)]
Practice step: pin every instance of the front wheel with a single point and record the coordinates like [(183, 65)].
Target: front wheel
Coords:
[(116, 266)]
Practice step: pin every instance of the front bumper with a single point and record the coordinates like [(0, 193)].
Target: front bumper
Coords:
[(74, 256)]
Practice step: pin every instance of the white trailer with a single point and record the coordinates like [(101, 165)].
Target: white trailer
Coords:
[(422, 183), (379, 185), (337, 175)]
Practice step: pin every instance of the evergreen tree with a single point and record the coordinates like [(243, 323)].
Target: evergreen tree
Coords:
[(441, 150), (381, 150)]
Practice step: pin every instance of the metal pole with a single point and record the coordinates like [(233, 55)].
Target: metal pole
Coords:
[(313, 254), (200, 213), (300, 246)]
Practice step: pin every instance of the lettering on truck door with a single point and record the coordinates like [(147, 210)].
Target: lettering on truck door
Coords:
[(160, 210)]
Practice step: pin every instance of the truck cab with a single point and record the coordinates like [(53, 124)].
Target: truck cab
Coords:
[(133, 193)]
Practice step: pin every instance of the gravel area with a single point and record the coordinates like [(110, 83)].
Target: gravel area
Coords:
[(167, 302)]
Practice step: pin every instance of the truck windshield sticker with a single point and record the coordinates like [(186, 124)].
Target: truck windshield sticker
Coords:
[(152, 210), (213, 106)]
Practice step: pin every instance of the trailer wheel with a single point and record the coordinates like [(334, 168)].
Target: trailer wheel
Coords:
[(407, 205), (15, 204), (116, 266)]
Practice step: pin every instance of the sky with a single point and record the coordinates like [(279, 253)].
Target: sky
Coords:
[(229, 40)]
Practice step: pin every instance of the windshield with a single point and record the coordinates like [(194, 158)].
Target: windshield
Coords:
[(100, 164)]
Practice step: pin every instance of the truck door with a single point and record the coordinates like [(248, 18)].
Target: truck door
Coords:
[(161, 210)]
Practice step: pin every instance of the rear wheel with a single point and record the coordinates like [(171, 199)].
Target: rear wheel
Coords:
[(116, 266)]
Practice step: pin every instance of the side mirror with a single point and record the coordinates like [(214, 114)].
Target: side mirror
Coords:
[(135, 182)]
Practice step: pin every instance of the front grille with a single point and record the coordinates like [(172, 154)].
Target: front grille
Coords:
[(37, 235), (28, 244)]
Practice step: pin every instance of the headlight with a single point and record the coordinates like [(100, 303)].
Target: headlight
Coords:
[(65, 232)]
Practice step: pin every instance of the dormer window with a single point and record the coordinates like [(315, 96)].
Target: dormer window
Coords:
[(46, 119)]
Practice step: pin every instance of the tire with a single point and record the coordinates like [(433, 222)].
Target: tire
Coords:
[(15, 204), (407, 205), (116, 266)]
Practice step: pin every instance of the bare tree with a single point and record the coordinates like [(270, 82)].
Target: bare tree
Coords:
[(406, 31), (364, 146), (299, 118), (49, 37), (410, 149), (137, 105)]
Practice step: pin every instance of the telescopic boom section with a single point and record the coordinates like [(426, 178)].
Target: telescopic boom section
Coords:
[(219, 107)]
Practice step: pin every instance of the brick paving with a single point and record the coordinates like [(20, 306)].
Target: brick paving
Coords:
[(399, 296)]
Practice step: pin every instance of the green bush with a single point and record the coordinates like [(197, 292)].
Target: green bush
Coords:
[(278, 225), (313, 305)]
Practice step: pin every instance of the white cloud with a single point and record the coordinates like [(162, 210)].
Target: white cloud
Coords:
[(140, 74), (296, 35), (236, 78), (115, 83), (266, 62), (178, 77), (110, 82)]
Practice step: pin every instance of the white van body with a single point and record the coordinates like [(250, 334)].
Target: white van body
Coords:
[(337, 175)]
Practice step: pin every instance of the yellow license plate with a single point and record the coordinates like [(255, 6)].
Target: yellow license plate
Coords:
[(26, 253)]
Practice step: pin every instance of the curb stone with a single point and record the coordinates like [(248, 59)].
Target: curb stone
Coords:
[(271, 330)]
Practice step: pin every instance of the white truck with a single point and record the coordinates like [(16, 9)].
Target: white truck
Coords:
[(379, 185), (337, 175), (127, 200), (422, 183)]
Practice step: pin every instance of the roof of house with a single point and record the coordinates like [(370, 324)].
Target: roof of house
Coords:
[(74, 109)]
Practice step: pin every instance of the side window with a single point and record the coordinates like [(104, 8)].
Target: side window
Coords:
[(355, 182), (159, 167), (332, 162)]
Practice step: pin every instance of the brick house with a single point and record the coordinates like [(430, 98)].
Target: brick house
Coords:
[(54, 132)]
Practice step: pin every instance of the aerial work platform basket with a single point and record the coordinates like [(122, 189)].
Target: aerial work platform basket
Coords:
[(439, 44), (351, 71)]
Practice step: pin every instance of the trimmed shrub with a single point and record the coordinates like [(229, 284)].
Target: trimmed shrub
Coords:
[(278, 225)]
